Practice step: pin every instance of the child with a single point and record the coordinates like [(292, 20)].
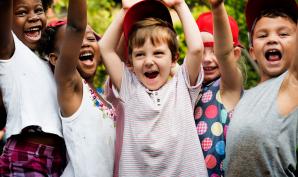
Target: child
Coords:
[(263, 135), (220, 93), (159, 134), (271, 44), (87, 119), (34, 146)]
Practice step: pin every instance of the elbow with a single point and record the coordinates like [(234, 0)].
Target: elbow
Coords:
[(103, 47), (197, 50), (77, 27)]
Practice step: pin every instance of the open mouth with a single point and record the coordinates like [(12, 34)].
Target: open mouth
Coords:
[(33, 33), (209, 68), (86, 56), (273, 55), (151, 74)]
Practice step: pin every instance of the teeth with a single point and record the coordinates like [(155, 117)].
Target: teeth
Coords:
[(86, 54), (33, 29), (273, 50)]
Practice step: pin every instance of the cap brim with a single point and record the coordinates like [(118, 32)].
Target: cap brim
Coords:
[(142, 10), (255, 7)]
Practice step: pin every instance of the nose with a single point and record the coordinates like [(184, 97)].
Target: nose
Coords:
[(33, 17), (85, 43), (208, 57), (273, 39), (148, 61)]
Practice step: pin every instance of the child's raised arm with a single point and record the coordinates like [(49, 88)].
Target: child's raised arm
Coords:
[(6, 40), (193, 39), (108, 47), (294, 67), (66, 74), (226, 54)]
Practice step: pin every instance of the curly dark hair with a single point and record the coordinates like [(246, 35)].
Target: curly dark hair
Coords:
[(47, 41), (47, 4)]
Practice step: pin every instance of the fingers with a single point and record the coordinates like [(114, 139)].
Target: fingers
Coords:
[(215, 3)]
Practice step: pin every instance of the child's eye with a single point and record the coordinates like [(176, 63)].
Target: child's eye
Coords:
[(21, 13), (261, 36), (91, 39), (138, 55), (158, 53), (39, 10), (284, 34)]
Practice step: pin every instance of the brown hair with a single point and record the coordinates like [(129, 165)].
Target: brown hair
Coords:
[(157, 31), (272, 13)]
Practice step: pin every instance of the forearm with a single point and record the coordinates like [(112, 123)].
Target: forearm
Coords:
[(77, 15), (294, 66), (222, 33), (193, 39), (6, 40), (191, 31), (3, 114), (225, 52), (110, 40), (71, 44), (108, 47)]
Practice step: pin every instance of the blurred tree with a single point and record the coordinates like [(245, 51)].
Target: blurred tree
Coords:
[(101, 12)]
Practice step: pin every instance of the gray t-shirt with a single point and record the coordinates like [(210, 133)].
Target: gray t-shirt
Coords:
[(261, 142)]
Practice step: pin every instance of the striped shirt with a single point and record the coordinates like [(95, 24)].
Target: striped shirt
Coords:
[(160, 137)]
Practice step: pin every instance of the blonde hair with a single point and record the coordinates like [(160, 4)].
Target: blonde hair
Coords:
[(157, 31)]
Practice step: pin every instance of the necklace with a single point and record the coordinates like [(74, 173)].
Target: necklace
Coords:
[(101, 104)]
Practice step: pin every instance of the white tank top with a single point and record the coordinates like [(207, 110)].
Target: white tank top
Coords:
[(29, 92)]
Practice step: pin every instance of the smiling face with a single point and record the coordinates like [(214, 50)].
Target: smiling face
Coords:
[(89, 55), (273, 45), (152, 64), (29, 20), (210, 63)]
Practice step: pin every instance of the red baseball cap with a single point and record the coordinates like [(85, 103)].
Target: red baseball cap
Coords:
[(205, 24), (58, 23), (145, 9), (255, 7)]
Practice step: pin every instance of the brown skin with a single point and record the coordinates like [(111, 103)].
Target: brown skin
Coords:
[(28, 14), (18, 15), (70, 90), (287, 100), (6, 44), (33, 16)]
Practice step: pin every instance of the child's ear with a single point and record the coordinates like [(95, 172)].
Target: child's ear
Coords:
[(53, 58), (175, 59), (237, 52), (252, 53)]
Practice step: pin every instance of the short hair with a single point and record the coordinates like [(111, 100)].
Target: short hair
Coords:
[(48, 40), (273, 13), (46, 4), (158, 31)]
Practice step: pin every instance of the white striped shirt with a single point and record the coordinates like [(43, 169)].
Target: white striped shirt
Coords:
[(159, 136)]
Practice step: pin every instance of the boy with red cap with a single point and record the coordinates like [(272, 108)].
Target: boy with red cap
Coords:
[(220, 93), (159, 137), (263, 135)]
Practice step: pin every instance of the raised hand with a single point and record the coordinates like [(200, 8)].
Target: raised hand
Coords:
[(215, 3), (126, 4), (172, 3)]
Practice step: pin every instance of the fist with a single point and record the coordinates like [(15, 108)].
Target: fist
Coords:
[(215, 3), (126, 4), (172, 3)]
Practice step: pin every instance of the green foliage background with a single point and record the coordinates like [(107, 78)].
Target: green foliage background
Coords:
[(101, 13)]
